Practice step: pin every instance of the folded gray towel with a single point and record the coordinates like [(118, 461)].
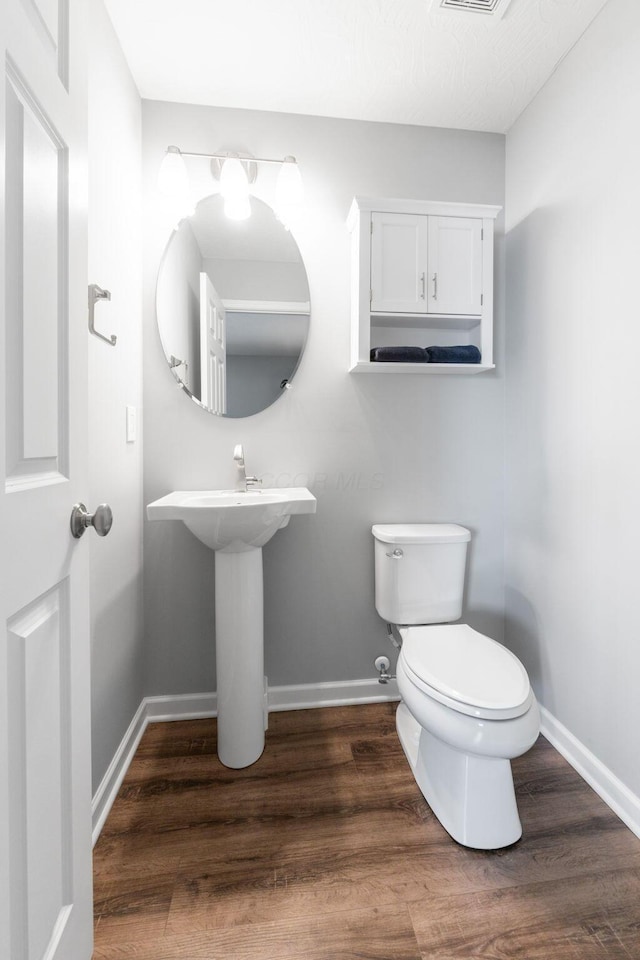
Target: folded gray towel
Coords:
[(465, 353), (399, 354)]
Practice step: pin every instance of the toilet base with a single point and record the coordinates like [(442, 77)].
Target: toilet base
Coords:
[(472, 797)]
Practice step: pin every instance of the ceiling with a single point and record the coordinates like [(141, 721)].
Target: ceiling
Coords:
[(260, 238), (398, 61)]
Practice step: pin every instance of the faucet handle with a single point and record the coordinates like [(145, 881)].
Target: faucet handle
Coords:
[(252, 481)]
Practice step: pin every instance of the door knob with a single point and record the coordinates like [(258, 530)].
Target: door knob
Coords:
[(101, 520)]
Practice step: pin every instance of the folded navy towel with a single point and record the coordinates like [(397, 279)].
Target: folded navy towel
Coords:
[(465, 353), (399, 354)]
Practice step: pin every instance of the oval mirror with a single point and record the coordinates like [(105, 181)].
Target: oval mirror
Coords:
[(232, 303)]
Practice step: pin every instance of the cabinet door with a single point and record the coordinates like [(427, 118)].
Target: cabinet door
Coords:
[(398, 263), (455, 266)]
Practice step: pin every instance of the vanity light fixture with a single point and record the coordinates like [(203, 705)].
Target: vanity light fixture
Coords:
[(236, 173)]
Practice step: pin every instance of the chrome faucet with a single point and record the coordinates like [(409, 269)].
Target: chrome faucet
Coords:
[(244, 482)]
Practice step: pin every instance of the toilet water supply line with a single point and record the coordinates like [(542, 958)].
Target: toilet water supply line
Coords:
[(382, 664)]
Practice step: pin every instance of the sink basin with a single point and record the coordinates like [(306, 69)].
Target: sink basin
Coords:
[(232, 520)]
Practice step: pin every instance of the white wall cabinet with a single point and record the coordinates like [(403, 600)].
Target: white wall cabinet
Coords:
[(422, 275)]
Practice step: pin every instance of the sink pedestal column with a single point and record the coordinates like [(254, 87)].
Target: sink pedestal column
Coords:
[(240, 656)]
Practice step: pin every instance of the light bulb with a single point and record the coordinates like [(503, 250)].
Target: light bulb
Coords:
[(173, 183), (233, 180)]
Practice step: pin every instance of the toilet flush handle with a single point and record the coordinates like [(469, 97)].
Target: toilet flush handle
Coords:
[(396, 555)]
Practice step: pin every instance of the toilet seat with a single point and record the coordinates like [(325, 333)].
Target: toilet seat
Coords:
[(465, 670)]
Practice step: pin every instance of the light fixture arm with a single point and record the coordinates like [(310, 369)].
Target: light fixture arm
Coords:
[(226, 156)]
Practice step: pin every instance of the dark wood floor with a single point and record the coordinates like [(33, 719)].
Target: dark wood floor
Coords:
[(325, 850)]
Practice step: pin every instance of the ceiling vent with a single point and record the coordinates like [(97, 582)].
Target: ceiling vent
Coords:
[(495, 8)]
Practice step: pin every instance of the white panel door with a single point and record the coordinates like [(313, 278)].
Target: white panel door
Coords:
[(45, 789), (399, 245), (213, 348), (455, 266)]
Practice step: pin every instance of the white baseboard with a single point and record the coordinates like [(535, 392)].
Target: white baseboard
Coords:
[(340, 693), (110, 784), (197, 706), (613, 791), (185, 706)]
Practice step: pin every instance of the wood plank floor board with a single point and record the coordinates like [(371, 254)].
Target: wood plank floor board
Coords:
[(311, 839), (595, 917), (121, 857), (331, 870), (180, 738), (374, 933), (346, 723), (169, 803), (289, 846), (134, 908), (281, 757), (326, 849), (189, 795), (327, 873), (566, 807)]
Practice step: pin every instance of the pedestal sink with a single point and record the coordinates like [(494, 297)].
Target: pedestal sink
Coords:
[(237, 524)]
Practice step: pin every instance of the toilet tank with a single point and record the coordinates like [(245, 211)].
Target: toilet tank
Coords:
[(419, 571)]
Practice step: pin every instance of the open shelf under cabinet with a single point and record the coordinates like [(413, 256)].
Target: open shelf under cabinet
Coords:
[(463, 369)]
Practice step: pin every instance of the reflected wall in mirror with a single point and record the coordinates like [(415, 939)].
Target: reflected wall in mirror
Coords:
[(232, 303)]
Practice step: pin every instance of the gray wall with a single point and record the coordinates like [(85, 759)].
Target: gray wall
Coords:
[(115, 381), (371, 448), (257, 279), (254, 382), (573, 390)]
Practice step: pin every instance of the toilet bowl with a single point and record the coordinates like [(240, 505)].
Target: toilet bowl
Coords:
[(467, 706)]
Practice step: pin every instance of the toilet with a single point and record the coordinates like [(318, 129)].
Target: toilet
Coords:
[(467, 706)]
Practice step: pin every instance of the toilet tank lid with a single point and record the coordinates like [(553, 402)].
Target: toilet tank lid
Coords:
[(420, 533)]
